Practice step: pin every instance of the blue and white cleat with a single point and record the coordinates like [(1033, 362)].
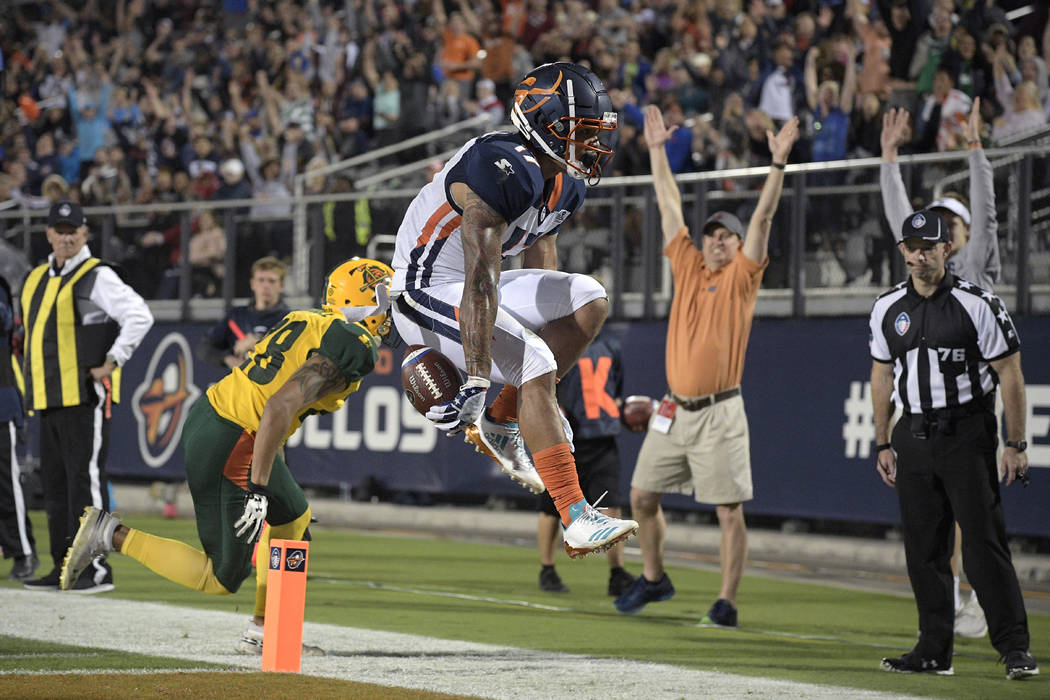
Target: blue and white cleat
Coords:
[(592, 531), (502, 442)]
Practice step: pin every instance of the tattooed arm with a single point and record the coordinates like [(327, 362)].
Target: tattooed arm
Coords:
[(318, 377), (481, 229)]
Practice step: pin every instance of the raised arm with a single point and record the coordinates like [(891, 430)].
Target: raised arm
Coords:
[(810, 76), (849, 81), (984, 226), (668, 198), (756, 243), (895, 204)]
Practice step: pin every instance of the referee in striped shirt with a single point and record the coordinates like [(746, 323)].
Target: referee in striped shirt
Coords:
[(940, 346)]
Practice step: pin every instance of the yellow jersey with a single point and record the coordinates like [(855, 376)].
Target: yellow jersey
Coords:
[(241, 395)]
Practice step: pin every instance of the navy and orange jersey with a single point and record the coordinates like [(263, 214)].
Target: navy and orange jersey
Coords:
[(502, 171), (588, 392)]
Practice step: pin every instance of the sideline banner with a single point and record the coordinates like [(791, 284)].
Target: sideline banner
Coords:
[(805, 389)]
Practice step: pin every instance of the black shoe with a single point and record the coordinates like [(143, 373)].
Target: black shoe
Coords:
[(44, 583), (96, 578), (551, 582), (1019, 665), (721, 613), (24, 568), (913, 663), (619, 580), (642, 592)]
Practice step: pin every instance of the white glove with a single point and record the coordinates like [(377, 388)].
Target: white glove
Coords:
[(256, 501), (464, 409)]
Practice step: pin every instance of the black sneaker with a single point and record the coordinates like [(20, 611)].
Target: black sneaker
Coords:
[(96, 578), (642, 592), (44, 583), (914, 663), (619, 580), (1019, 665), (721, 613), (551, 582), (24, 568)]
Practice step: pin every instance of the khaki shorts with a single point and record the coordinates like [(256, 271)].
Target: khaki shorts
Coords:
[(706, 454)]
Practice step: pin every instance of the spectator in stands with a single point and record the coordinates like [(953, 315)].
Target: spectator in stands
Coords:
[(970, 70), (929, 49), (1022, 111), (90, 119), (459, 59), (228, 342), (207, 256), (831, 106), (488, 104), (781, 90), (233, 185), (941, 115), (904, 28)]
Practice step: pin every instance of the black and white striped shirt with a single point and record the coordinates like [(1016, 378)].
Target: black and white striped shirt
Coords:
[(941, 345)]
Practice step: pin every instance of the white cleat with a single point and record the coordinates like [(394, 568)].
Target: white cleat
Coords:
[(252, 642), (592, 531), (94, 537), (502, 442)]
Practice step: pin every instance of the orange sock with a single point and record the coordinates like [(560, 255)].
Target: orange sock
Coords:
[(557, 468), (505, 407)]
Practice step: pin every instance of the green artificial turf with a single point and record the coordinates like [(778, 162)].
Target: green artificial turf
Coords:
[(488, 593)]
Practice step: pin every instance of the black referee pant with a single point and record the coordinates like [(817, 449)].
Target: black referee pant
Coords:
[(952, 476), (16, 532), (74, 441)]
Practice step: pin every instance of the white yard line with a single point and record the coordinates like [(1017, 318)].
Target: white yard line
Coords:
[(384, 658)]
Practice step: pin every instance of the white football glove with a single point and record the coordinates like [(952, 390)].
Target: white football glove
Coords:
[(256, 501), (464, 409)]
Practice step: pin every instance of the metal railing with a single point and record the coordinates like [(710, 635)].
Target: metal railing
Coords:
[(830, 251)]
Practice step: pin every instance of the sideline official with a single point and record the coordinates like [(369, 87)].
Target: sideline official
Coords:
[(82, 324), (940, 345)]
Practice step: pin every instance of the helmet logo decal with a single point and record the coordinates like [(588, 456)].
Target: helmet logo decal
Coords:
[(520, 95), (373, 275)]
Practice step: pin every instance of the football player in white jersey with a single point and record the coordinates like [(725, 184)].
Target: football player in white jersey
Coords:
[(501, 195)]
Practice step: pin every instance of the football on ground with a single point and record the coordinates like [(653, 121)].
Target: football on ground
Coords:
[(636, 412), (428, 378)]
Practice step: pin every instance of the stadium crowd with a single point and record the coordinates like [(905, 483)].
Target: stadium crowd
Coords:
[(155, 101)]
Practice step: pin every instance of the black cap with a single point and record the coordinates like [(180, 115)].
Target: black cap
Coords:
[(927, 225), (65, 212), (726, 221)]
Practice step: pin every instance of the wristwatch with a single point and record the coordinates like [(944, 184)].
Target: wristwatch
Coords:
[(1019, 445)]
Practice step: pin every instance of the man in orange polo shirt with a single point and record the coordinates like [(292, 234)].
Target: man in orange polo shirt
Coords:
[(698, 441)]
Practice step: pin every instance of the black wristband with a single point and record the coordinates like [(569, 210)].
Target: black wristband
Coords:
[(778, 166), (254, 488), (883, 446)]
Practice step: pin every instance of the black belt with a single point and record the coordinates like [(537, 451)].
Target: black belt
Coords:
[(943, 419), (703, 401)]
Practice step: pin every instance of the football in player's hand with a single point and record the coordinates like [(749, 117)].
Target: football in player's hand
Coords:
[(429, 378), (636, 412)]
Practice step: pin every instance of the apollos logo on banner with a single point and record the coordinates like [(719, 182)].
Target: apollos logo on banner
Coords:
[(160, 403)]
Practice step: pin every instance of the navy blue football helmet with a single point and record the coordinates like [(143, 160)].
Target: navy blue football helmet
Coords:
[(563, 110)]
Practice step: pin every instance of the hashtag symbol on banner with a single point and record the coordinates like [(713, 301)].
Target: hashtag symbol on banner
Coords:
[(859, 428)]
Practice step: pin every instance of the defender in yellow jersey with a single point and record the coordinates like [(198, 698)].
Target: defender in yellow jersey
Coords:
[(309, 363)]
